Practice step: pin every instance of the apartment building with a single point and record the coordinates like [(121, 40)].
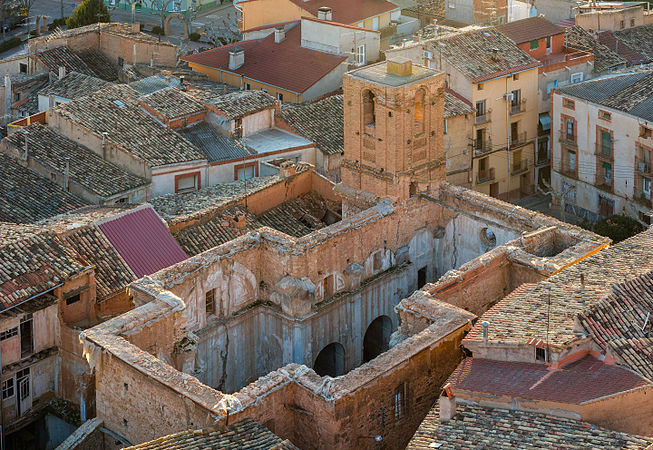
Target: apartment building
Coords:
[(602, 134)]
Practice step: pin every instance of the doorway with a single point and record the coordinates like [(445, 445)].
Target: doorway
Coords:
[(377, 338)]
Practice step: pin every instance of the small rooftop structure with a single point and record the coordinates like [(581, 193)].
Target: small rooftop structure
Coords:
[(530, 29), (396, 72)]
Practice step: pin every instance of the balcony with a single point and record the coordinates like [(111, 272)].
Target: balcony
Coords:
[(518, 139), (603, 182), (483, 118), (643, 167), (568, 57), (568, 139), (518, 167), (482, 146), (485, 176), (518, 107), (601, 154)]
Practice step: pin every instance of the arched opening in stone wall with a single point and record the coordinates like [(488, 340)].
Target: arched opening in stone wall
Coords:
[(369, 108), (377, 338), (330, 361), (419, 116)]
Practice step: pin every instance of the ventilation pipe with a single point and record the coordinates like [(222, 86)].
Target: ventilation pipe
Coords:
[(485, 324), (104, 146)]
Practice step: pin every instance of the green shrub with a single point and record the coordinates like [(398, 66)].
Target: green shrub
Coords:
[(88, 12), (194, 37), (57, 23), (10, 43), (158, 30), (618, 227)]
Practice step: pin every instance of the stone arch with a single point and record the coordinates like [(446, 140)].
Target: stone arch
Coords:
[(330, 361), (377, 338), (369, 108), (419, 114), (166, 24)]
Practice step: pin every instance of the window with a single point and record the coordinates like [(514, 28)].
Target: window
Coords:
[(571, 129), (480, 108), (121, 61), (8, 388), (375, 24), (632, 22), (369, 107), (247, 172), (247, 86), (360, 55), (571, 160), (622, 24), (7, 334), (328, 286), (568, 103), (606, 143), (187, 183), (515, 77), (548, 42), (645, 132), (606, 207), (73, 299), (534, 44), (418, 116), (488, 238), (23, 68), (480, 87), (540, 354), (604, 115), (646, 187), (209, 302), (576, 77), (280, 97), (516, 99), (121, 200), (26, 345), (607, 174), (444, 127), (401, 402), (378, 261), (421, 277)]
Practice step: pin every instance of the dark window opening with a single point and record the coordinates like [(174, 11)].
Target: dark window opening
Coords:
[(23, 68), (328, 286), (210, 302), (26, 346), (369, 108), (421, 277), (330, 361), (401, 402), (73, 299), (540, 354), (377, 338), (121, 61)]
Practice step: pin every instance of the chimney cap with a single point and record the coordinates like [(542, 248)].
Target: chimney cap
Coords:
[(324, 9), (236, 49)]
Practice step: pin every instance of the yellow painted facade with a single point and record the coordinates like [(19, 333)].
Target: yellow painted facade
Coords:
[(232, 79), (504, 137)]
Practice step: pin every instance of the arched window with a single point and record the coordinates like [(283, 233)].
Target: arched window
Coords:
[(419, 116), (369, 107)]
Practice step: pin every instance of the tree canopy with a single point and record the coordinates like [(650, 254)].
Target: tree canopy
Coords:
[(87, 13)]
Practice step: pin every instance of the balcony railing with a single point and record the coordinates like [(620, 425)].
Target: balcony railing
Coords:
[(482, 145), (485, 176), (483, 118), (643, 167), (601, 154), (542, 159), (518, 107), (603, 182), (518, 138), (568, 139), (519, 166)]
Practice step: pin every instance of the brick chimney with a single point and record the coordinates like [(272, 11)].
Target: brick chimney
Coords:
[(279, 34), (237, 57), (325, 13), (447, 403), (287, 169)]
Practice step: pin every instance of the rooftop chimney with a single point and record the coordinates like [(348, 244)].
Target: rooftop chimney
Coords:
[(62, 72), (66, 174), (182, 83), (237, 56), (447, 403), (485, 324), (279, 34), (26, 153), (104, 146), (325, 13), (399, 66), (495, 54)]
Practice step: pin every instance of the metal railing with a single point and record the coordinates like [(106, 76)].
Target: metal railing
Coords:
[(482, 145), (643, 166), (519, 166), (483, 118), (518, 138), (518, 107), (569, 139), (485, 176)]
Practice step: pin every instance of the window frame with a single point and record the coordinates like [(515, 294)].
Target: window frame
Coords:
[(197, 184), (400, 402), (534, 44), (7, 385), (209, 294)]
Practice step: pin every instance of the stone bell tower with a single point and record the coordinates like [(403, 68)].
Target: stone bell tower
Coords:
[(394, 116)]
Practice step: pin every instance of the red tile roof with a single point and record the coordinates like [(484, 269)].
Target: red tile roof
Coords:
[(530, 29), (143, 241), (286, 65), (581, 381), (608, 39), (346, 11)]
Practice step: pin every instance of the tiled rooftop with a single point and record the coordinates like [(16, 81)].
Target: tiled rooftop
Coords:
[(32, 265), (604, 58), (235, 104), (74, 85), (344, 11), (478, 427), (296, 217), (56, 57), (216, 145), (455, 104), (631, 93), (111, 272), (172, 103), (286, 65), (472, 53), (116, 28), (103, 67), (523, 315), (639, 39), (174, 205), (154, 83), (610, 40), (28, 197), (623, 323), (115, 110), (86, 168), (244, 434), (530, 29), (582, 381), (321, 122)]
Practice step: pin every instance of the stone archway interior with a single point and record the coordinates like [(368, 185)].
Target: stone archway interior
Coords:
[(377, 338), (167, 30), (330, 361)]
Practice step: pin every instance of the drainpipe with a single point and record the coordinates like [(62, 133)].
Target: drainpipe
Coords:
[(507, 123)]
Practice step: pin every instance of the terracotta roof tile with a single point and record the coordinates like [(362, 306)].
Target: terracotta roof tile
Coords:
[(605, 59), (478, 427), (582, 381), (237, 104), (640, 39), (243, 434), (321, 122), (530, 29), (346, 11), (74, 85), (287, 65), (455, 104), (171, 103), (56, 57)]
